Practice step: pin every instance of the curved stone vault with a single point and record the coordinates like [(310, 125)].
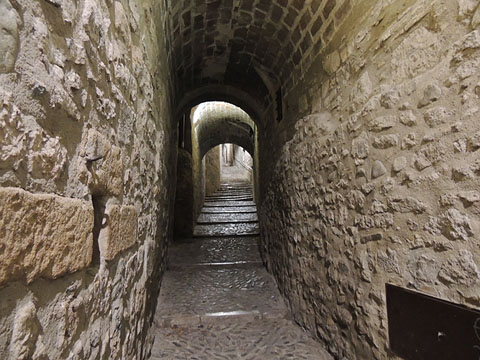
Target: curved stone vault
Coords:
[(216, 123), (251, 45)]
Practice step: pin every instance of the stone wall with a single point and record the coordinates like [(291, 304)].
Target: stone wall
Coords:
[(376, 177), (183, 217), (212, 170), (85, 177)]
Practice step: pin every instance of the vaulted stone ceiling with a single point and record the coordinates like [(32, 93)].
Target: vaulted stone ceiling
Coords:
[(217, 123), (251, 45)]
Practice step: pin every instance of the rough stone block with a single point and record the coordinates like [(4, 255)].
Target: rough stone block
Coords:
[(43, 235), (382, 123), (120, 232), (9, 21), (105, 164)]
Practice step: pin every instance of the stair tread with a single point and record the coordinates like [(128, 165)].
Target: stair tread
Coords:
[(255, 339), (226, 229), (215, 250), (227, 218), (187, 293)]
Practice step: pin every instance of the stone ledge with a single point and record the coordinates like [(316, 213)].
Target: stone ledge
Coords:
[(43, 235)]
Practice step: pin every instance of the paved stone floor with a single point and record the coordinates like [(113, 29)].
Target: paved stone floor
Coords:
[(217, 301)]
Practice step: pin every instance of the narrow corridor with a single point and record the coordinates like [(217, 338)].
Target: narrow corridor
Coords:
[(217, 301)]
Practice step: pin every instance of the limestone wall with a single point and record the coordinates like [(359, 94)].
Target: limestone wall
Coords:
[(85, 181), (377, 180)]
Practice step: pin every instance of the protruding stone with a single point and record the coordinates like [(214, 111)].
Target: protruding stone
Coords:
[(437, 116), (431, 93), (470, 196), (378, 169), (408, 118), (360, 147), (474, 142), (409, 141), (25, 332), (406, 204), (382, 123), (331, 63), (43, 235), (364, 88), (421, 162), (386, 141), (104, 162), (460, 269), (399, 163), (390, 97), (9, 21), (120, 232), (455, 225)]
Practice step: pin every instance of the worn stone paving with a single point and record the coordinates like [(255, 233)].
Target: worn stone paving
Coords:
[(217, 301), (227, 229), (265, 339), (214, 250), (227, 218)]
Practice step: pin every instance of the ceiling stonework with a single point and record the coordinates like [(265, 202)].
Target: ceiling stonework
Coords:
[(252, 45)]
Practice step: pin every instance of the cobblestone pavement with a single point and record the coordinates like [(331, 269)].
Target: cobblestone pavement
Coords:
[(217, 301)]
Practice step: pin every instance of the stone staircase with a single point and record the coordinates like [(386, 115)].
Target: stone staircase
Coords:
[(217, 301)]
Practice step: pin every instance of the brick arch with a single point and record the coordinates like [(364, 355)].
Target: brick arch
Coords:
[(217, 123)]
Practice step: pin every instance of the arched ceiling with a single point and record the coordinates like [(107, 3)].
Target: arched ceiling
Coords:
[(216, 123), (251, 45)]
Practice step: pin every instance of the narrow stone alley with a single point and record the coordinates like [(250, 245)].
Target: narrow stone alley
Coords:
[(348, 132), (217, 301)]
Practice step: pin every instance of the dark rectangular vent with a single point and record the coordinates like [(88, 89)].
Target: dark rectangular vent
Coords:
[(421, 327), (279, 101)]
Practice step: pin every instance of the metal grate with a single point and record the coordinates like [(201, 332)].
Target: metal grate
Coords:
[(421, 327)]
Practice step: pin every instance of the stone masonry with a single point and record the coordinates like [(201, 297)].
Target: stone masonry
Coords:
[(379, 180), (370, 176), (84, 169)]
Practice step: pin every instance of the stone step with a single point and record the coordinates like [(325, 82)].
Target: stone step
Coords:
[(229, 195), (228, 203), (231, 190), (228, 229), (208, 218), (267, 339), (229, 209), (228, 198), (193, 296), (234, 191), (214, 251)]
